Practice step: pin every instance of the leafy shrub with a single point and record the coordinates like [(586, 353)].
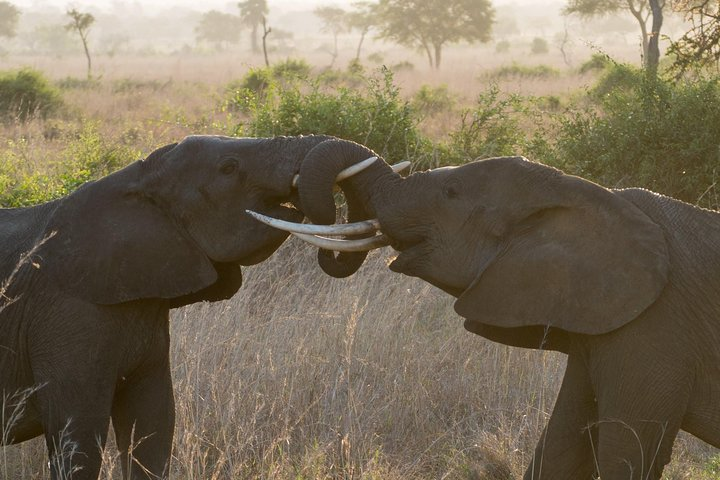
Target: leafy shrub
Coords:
[(87, 158), (616, 78), (430, 100), (72, 83), (523, 71), (597, 62), (498, 125), (26, 92), (503, 46), (374, 115), (654, 133), (539, 46)]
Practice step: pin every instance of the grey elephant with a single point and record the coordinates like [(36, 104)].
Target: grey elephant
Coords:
[(625, 282), (84, 319)]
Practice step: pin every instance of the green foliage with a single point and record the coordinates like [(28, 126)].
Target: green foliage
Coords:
[(9, 15), (539, 46), (498, 125), (88, 157), (429, 100), (503, 46), (652, 133), (617, 78), (373, 115), (597, 62), (523, 71), (257, 80), (25, 93)]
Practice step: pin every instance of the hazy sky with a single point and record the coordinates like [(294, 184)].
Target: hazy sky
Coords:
[(203, 5)]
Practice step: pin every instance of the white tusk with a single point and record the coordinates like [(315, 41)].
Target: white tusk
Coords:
[(362, 245), (357, 228), (399, 167), (353, 169)]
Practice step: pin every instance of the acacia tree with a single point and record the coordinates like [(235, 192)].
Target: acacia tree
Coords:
[(334, 21), (644, 11), (360, 19), (81, 22), (218, 28), (700, 46), (9, 15), (252, 14), (428, 25)]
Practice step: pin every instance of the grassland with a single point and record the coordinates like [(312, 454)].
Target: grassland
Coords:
[(301, 376)]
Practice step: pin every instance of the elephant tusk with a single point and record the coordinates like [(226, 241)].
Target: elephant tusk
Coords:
[(399, 167), (346, 173), (357, 168), (357, 228), (362, 245)]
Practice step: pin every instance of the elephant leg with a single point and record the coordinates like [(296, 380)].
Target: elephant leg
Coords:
[(635, 446), (565, 450), (143, 419), (75, 430)]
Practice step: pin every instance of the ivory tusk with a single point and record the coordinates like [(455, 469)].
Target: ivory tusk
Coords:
[(357, 228), (361, 245), (357, 168), (399, 167)]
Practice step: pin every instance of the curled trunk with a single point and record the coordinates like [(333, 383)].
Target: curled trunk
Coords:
[(317, 199)]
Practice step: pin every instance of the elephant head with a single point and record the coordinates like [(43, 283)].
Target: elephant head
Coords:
[(530, 253), (168, 225)]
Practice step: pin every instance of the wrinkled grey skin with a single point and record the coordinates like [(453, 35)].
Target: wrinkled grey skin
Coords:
[(625, 282), (88, 331)]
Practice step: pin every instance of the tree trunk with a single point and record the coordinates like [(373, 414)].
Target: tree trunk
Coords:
[(254, 39), (438, 55), (87, 54), (638, 14), (429, 54), (359, 47), (266, 32), (653, 52)]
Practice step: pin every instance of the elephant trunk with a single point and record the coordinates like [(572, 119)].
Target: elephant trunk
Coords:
[(315, 189)]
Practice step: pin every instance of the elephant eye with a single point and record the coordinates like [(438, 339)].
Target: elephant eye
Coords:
[(451, 190), (229, 166)]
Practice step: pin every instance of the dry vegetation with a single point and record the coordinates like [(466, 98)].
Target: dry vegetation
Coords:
[(301, 376)]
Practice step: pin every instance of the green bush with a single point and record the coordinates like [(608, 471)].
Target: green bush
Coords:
[(523, 71), (25, 93), (652, 133), (429, 100), (539, 46), (373, 115), (597, 62), (88, 157), (498, 125)]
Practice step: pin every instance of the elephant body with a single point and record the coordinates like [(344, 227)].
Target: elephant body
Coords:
[(625, 282), (90, 279)]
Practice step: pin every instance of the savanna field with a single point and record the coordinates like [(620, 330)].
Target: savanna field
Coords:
[(302, 376)]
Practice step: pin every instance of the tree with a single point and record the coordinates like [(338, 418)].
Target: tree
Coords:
[(252, 14), (218, 28), (9, 15), (362, 20), (700, 46), (642, 10), (81, 23), (334, 21), (428, 25)]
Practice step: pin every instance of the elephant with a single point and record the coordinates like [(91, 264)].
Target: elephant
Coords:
[(625, 282), (87, 282)]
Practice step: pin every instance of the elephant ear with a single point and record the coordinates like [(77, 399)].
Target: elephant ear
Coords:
[(584, 261), (114, 244)]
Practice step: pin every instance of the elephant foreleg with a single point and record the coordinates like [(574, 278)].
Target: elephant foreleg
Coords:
[(565, 450), (143, 419)]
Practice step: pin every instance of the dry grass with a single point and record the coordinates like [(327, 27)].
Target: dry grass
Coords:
[(302, 376)]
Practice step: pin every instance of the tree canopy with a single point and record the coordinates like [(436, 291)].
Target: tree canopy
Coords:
[(252, 14), (218, 28), (81, 23), (428, 25), (700, 46), (9, 15), (643, 11)]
